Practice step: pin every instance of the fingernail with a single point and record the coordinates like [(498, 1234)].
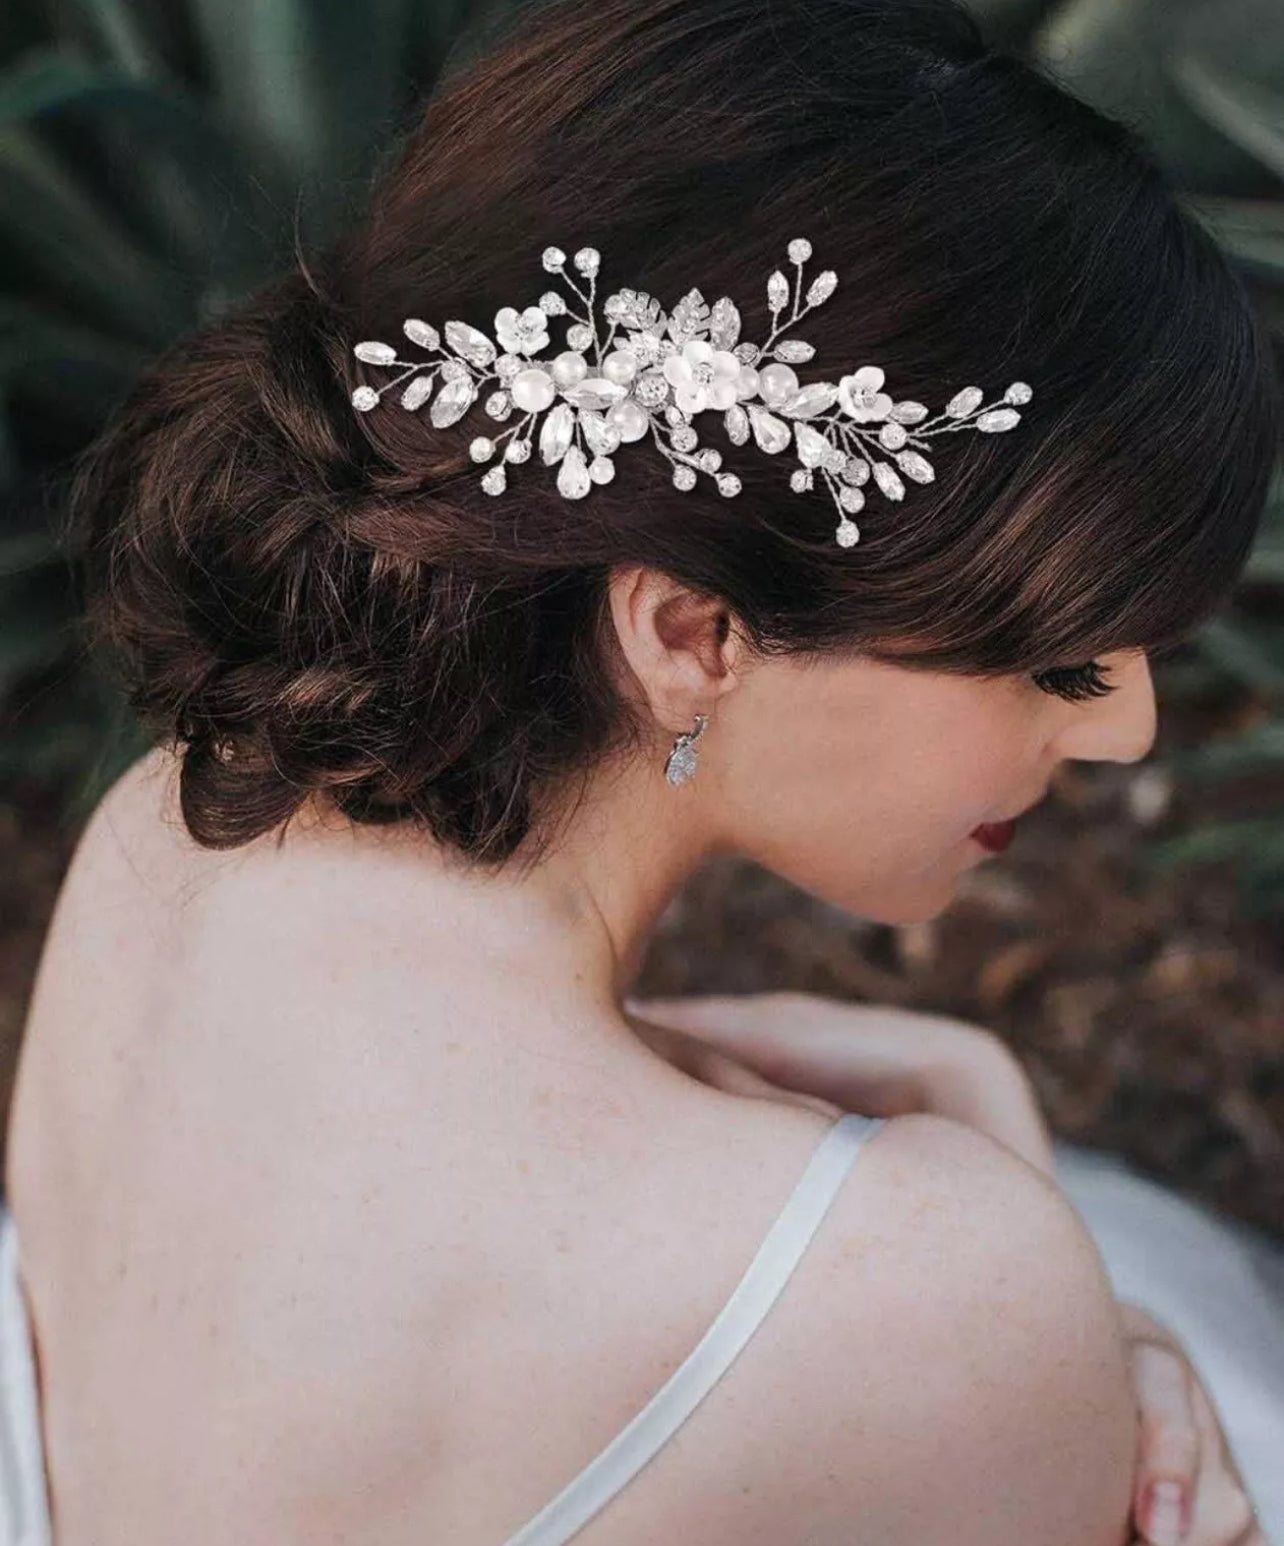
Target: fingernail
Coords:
[(1165, 1514)]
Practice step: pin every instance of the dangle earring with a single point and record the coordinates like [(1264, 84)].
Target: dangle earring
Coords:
[(682, 759)]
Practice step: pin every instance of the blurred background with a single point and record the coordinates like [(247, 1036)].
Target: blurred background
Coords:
[(159, 158)]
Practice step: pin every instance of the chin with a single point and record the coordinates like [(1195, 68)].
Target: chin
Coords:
[(891, 905)]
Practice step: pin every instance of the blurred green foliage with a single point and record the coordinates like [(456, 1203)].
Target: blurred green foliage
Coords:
[(160, 158)]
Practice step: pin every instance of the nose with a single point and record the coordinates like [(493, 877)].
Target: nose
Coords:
[(1121, 726)]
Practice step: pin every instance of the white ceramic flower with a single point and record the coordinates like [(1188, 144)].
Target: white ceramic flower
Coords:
[(522, 332), (861, 397), (702, 376)]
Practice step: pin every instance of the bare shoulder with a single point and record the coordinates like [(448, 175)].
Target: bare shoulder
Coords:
[(965, 1304)]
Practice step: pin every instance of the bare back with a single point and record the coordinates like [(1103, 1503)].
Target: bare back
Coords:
[(332, 1238)]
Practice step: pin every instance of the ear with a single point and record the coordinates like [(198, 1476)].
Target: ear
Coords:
[(682, 648)]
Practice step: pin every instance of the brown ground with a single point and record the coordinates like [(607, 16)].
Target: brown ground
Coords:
[(1149, 1015)]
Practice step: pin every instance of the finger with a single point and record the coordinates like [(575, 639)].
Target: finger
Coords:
[(1170, 1447), (1224, 1513)]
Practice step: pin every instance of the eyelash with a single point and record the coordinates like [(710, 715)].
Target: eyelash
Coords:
[(1075, 683)]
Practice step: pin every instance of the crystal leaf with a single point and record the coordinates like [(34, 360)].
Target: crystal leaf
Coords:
[(908, 412), (602, 438), (690, 317), (736, 424), (573, 480), (814, 398), (418, 392), (964, 402), (793, 351), (813, 448), (633, 309), (376, 353), (422, 333), (556, 432), (724, 324), (747, 354), (915, 466), (495, 481), (777, 292), (595, 393), (452, 402), (996, 419), (1018, 392), (887, 480), (822, 287), (771, 434), (469, 344)]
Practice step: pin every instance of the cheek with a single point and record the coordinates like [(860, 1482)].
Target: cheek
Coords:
[(898, 782)]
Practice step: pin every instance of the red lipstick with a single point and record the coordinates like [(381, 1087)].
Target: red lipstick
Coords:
[(996, 835)]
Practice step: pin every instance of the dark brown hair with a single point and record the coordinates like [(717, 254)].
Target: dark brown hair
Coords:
[(309, 598)]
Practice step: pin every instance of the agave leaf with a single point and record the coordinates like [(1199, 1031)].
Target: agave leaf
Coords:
[(1250, 653), (1249, 114), (312, 85), (1251, 230), (1246, 752), (124, 35), (79, 250), (1111, 53), (177, 179)]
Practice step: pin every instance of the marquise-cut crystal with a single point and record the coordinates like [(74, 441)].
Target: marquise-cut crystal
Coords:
[(556, 432), (452, 402), (470, 344), (964, 402), (736, 423), (822, 287), (418, 392), (915, 466), (376, 353), (595, 392), (793, 351), (887, 480), (422, 333), (997, 418), (814, 398)]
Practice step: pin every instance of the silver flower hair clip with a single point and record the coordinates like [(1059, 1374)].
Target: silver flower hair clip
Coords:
[(661, 373)]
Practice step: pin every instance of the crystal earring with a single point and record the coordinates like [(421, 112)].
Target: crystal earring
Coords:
[(682, 759)]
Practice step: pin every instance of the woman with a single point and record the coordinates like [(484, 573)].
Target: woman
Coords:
[(354, 1203)]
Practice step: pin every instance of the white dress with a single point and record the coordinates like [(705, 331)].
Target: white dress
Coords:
[(1219, 1287)]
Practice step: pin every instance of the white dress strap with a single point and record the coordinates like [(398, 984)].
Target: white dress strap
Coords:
[(24, 1501), (765, 1277)]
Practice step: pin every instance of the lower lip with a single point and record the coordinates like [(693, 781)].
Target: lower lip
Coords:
[(996, 836)]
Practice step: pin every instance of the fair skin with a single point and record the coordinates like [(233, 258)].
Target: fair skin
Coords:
[(385, 1218)]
